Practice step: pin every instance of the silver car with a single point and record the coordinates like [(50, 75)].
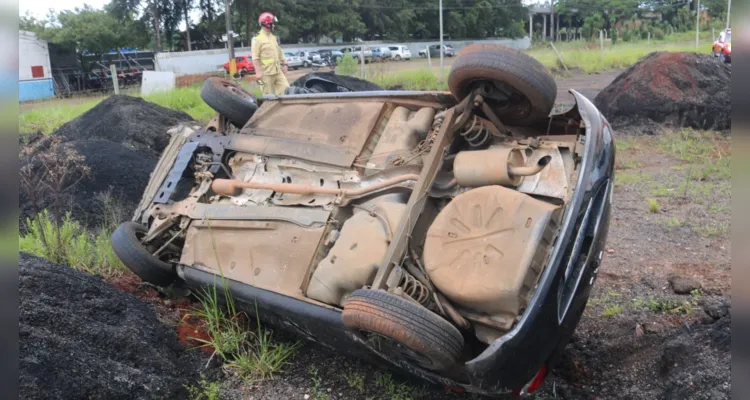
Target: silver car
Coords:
[(293, 60)]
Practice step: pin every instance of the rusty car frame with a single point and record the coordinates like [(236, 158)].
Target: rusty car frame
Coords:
[(454, 236)]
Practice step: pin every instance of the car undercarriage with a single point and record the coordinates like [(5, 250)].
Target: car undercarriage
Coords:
[(428, 231)]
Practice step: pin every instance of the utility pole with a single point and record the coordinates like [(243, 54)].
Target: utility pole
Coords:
[(729, 8), (697, 21), (230, 40), (441, 39)]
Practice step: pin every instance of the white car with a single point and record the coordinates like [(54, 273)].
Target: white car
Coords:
[(293, 60), (308, 57), (400, 52)]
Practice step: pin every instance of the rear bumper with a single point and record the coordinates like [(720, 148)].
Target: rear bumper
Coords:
[(546, 325)]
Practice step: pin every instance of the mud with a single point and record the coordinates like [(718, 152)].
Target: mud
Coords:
[(131, 121), (81, 338), (679, 89)]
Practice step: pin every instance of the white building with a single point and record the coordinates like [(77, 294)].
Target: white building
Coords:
[(34, 70)]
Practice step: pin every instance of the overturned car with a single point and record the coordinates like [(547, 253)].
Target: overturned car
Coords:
[(453, 236)]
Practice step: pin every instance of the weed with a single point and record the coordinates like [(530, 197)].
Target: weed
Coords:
[(420, 79), (631, 178), (317, 380), (673, 222), (47, 119), (626, 163), (666, 306), (355, 380), (262, 358), (661, 190), (611, 311), (398, 391), (691, 146), (347, 65), (185, 99), (713, 230), (204, 390), (69, 243), (653, 206)]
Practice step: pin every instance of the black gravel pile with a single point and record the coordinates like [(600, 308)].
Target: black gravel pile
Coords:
[(81, 338), (348, 82), (128, 120), (679, 89)]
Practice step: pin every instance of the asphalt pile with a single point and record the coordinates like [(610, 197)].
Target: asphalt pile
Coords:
[(81, 338), (678, 89), (120, 140)]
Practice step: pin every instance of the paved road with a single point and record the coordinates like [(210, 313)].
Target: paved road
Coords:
[(587, 84)]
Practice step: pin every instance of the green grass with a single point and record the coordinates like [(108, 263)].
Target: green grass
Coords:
[(653, 206), (587, 56), (398, 390), (204, 390), (673, 222), (661, 306), (419, 79), (611, 311), (185, 99), (355, 380), (70, 244), (631, 178)]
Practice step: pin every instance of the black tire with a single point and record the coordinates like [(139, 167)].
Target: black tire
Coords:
[(128, 247), (305, 64), (534, 88), (229, 99), (419, 335)]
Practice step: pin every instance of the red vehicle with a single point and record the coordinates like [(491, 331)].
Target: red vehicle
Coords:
[(244, 65), (723, 46)]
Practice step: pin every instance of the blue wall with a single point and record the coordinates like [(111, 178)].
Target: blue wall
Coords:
[(38, 89)]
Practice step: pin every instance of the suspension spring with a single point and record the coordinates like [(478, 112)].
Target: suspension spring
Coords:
[(414, 289), (477, 134)]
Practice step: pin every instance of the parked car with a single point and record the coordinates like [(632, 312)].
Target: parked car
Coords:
[(381, 54), (465, 260), (435, 51), (722, 47), (292, 60), (333, 55), (244, 65), (400, 52), (357, 53), (308, 57)]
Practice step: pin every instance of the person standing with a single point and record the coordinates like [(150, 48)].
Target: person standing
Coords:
[(268, 59)]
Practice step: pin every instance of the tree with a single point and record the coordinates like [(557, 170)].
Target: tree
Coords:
[(89, 31)]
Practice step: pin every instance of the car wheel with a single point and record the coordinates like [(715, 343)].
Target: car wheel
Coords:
[(403, 328), (305, 64), (398, 57), (229, 99), (532, 87), (126, 243)]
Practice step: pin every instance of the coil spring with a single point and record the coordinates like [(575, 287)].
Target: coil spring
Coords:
[(476, 135), (414, 289)]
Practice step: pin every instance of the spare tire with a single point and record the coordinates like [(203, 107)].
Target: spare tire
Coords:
[(411, 332), (229, 99), (126, 243), (533, 89)]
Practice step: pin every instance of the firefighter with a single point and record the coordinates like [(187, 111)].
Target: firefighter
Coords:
[(268, 59)]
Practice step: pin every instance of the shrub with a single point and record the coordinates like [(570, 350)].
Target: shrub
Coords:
[(658, 34), (347, 65), (69, 243)]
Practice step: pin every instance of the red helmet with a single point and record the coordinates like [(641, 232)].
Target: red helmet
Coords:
[(267, 20)]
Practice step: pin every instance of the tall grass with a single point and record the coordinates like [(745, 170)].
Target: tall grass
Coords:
[(70, 244), (418, 79), (185, 99)]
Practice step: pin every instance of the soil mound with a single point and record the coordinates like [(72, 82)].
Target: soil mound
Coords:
[(80, 338), (128, 120), (349, 82), (680, 89), (112, 168)]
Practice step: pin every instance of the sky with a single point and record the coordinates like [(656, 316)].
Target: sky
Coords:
[(38, 8)]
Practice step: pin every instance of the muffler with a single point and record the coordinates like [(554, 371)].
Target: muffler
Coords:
[(494, 166)]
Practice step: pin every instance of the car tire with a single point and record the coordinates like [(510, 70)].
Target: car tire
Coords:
[(418, 334), (397, 58), (305, 64), (535, 88), (126, 243), (229, 99)]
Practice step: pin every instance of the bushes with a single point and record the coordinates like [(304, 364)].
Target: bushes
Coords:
[(70, 244), (658, 34), (347, 65)]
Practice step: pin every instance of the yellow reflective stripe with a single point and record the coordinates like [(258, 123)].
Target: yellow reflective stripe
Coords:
[(266, 62)]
